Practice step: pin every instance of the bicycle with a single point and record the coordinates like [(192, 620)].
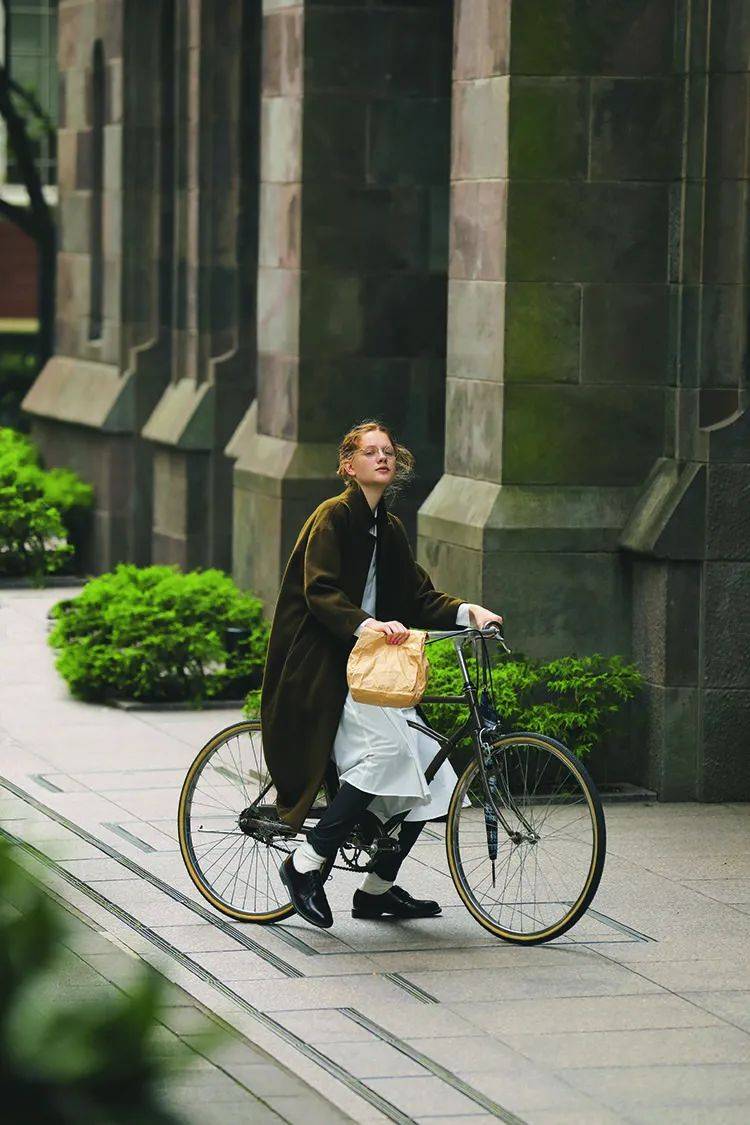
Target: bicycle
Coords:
[(525, 833)]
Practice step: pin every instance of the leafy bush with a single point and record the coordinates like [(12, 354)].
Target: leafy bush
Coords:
[(38, 509), (155, 634), (80, 1061), (571, 699)]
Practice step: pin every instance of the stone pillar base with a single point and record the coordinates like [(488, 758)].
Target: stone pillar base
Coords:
[(546, 557), (83, 418), (277, 484)]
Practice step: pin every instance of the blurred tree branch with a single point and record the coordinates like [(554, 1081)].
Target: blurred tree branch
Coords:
[(36, 220)]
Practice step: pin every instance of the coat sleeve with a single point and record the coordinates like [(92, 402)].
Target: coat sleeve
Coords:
[(430, 609), (324, 595)]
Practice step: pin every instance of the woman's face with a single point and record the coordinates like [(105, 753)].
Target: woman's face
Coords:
[(375, 460)]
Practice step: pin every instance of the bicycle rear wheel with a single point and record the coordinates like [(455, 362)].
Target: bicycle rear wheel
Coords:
[(225, 825), (532, 883)]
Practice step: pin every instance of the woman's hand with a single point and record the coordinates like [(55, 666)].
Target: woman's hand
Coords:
[(395, 632), (483, 617)]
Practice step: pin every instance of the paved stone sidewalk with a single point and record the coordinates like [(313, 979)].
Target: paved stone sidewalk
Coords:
[(639, 1014), (211, 1074)]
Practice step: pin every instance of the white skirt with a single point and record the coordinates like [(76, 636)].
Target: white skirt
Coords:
[(378, 752)]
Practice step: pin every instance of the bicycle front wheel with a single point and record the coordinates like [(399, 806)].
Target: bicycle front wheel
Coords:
[(532, 878), (225, 822)]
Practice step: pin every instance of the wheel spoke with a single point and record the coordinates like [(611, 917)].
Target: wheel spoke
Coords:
[(544, 870), (238, 872)]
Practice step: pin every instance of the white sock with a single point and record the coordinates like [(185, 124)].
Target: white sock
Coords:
[(306, 859), (372, 884)]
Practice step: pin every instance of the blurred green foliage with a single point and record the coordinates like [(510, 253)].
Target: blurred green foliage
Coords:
[(18, 368), (155, 634), (68, 1062)]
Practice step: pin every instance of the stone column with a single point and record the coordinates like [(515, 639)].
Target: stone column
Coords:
[(81, 404), (566, 141), (212, 285), (690, 528), (353, 253)]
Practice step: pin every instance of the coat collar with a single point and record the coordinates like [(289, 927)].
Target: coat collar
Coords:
[(363, 515)]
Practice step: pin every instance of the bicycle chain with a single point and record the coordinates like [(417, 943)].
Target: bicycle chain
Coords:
[(334, 866)]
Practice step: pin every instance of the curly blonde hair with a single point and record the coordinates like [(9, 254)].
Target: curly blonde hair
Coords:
[(350, 444)]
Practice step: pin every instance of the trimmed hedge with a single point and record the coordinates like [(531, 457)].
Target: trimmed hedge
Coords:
[(39, 510), (155, 634)]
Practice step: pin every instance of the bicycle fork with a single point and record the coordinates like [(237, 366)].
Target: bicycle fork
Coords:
[(493, 816)]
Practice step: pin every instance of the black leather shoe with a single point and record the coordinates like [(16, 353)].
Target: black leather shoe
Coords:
[(396, 902), (307, 894)]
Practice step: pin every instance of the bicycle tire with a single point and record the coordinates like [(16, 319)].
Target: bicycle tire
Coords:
[(186, 835), (590, 883)]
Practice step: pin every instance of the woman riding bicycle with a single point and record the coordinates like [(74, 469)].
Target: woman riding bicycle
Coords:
[(352, 569)]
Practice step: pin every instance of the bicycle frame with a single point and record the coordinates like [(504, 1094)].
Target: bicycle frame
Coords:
[(473, 723)]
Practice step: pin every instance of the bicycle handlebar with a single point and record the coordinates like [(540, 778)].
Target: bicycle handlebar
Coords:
[(491, 632)]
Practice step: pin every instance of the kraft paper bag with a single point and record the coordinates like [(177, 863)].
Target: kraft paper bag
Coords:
[(388, 675)]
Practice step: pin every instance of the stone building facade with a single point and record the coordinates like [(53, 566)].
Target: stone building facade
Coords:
[(517, 229)]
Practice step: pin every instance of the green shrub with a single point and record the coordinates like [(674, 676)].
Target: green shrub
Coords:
[(75, 1061), (571, 699), (155, 634), (39, 509)]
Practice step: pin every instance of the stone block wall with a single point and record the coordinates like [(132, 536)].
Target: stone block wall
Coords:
[(211, 357), (565, 147), (597, 354), (81, 407), (355, 128)]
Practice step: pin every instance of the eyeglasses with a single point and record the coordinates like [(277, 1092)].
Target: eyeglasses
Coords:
[(372, 451)]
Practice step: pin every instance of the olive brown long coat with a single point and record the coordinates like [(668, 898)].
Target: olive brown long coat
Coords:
[(317, 612)]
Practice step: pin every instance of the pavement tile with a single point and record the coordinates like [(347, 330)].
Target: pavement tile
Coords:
[(305, 1109), (425, 1021), (321, 992), (584, 1013), (662, 1047), (621, 1088), (97, 870), (698, 976), (372, 1059), (715, 1114), (593, 979), (522, 1089), (237, 965), (265, 1078), (72, 848), (322, 1026), (422, 1095), (461, 1119), (200, 936), (243, 1108), (734, 1007), (470, 1053), (595, 1115), (723, 890)]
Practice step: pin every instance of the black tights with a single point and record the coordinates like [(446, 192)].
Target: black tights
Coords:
[(340, 817)]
